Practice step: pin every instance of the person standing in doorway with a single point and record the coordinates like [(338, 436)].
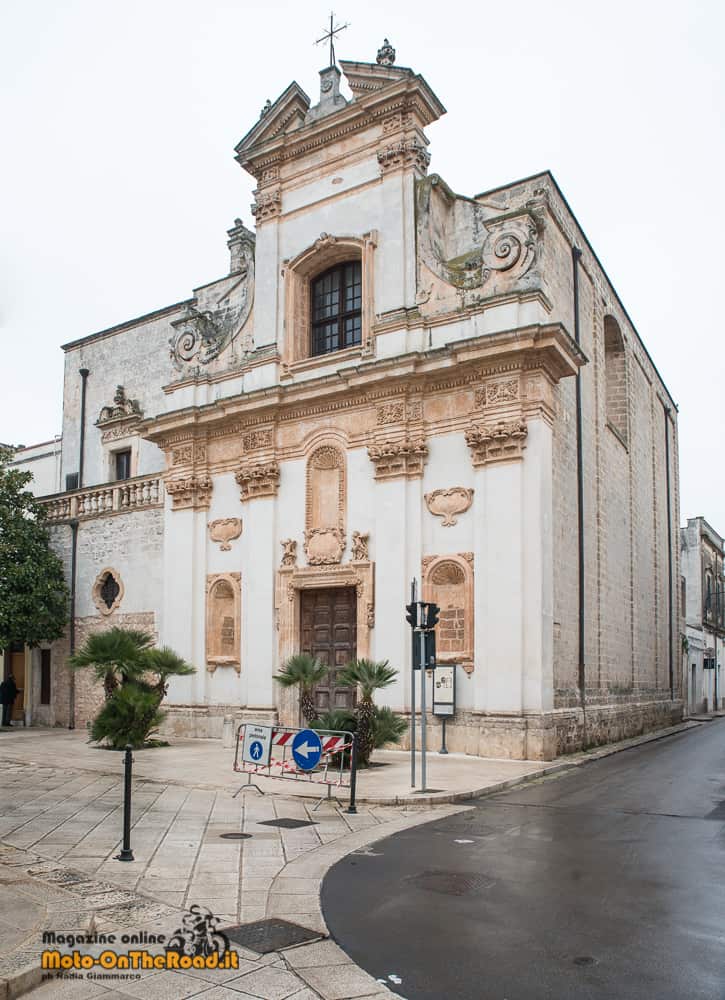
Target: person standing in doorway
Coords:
[(8, 694)]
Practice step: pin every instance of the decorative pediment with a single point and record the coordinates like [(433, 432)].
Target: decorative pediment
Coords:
[(285, 114), (119, 419), (362, 78)]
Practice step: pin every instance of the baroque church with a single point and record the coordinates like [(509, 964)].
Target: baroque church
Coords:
[(392, 381)]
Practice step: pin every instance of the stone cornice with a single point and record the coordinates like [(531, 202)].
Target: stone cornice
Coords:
[(546, 347)]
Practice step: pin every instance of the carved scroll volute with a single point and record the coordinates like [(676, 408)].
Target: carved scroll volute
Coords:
[(449, 503)]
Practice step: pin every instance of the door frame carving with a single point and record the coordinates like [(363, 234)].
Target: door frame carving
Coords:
[(292, 579)]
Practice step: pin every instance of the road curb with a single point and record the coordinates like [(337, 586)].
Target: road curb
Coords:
[(556, 767)]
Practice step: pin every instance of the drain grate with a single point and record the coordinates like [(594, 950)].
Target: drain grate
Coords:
[(264, 936), (287, 824), (452, 883), (235, 836)]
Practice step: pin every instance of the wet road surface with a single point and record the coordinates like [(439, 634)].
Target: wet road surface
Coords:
[(606, 882)]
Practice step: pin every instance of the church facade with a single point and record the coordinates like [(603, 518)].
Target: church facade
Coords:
[(392, 381)]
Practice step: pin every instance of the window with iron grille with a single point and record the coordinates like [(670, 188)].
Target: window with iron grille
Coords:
[(336, 308)]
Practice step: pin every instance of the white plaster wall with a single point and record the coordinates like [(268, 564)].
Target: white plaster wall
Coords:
[(43, 462)]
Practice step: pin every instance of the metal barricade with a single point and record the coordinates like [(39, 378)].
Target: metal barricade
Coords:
[(338, 746)]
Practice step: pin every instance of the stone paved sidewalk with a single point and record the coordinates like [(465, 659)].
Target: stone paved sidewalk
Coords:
[(59, 834), (60, 827)]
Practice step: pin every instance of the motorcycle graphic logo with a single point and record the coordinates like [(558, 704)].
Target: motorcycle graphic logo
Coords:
[(199, 935)]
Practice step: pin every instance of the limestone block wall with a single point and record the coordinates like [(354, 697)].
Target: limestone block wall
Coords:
[(627, 622)]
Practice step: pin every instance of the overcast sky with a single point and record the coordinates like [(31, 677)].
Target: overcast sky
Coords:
[(118, 181)]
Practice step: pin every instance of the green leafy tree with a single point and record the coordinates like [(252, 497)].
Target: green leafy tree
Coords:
[(368, 676), (135, 677), (305, 672), (33, 591)]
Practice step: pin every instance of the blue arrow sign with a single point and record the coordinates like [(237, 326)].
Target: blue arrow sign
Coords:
[(256, 750), (307, 749)]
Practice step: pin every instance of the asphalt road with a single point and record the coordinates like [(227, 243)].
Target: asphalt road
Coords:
[(606, 882)]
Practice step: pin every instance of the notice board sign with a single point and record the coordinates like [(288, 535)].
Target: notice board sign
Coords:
[(257, 747), (444, 689)]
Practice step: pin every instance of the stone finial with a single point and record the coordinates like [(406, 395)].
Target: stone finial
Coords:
[(386, 54)]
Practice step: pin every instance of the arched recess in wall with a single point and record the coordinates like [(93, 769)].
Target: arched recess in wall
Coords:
[(448, 581), (325, 505), (223, 621), (615, 372), (299, 273)]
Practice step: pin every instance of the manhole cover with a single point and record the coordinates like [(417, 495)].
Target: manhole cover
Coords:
[(235, 836), (264, 936), (585, 960), (452, 883), (287, 824)]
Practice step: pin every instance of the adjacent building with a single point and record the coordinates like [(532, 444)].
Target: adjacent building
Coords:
[(702, 649), (392, 380)]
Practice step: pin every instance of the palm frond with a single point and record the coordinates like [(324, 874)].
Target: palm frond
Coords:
[(163, 661), (301, 669), (368, 675)]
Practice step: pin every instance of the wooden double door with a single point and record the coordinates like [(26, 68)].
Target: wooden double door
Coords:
[(328, 627)]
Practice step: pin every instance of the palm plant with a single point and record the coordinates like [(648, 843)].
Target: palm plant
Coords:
[(116, 656), (368, 676), (135, 679), (303, 671), (165, 663)]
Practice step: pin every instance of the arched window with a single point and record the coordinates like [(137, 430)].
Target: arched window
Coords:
[(616, 378), (336, 308)]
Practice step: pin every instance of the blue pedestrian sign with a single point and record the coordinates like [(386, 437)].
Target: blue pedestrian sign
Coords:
[(307, 749), (257, 745)]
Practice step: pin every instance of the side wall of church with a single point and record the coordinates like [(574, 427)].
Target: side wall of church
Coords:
[(627, 619)]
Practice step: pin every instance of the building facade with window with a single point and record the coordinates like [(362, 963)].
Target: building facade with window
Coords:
[(702, 653), (392, 381)]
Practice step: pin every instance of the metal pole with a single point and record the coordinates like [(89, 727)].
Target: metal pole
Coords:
[(126, 852), (352, 808), (443, 748), (72, 623), (413, 597), (423, 747)]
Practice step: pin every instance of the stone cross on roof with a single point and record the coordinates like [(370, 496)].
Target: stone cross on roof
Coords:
[(330, 35)]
